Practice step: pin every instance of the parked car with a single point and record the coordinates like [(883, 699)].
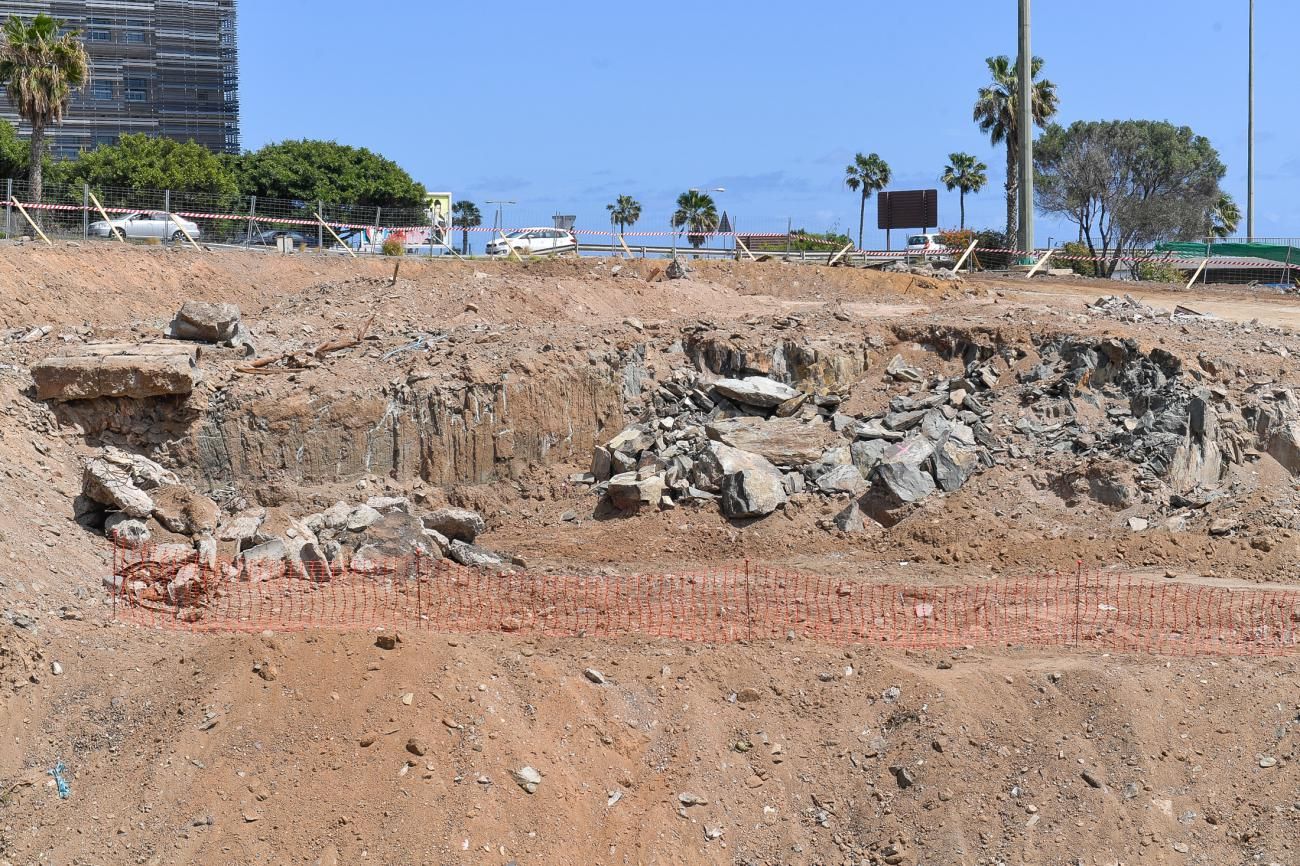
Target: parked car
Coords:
[(927, 246), (146, 224), (270, 237), (533, 242)]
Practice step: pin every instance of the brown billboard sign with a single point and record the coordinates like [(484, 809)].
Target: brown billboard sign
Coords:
[(907, 209)]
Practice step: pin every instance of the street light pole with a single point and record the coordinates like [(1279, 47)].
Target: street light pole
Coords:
[(1025, 129), (1250, 125)]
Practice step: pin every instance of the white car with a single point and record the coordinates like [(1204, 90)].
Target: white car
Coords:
[(926, 246), (146, 224), (533, 242)]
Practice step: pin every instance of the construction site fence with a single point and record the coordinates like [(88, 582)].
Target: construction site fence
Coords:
[(167, 587), (77, 210)]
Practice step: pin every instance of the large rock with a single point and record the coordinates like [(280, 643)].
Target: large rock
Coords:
[(752, 493), (904, 471), (207, 323), (183, 511), (867, 453), (144, 472), (755, 391), (242, 526), (842, 479), (473, 556), (397, 535), (113, 487), (783, 441), (627, 492), (718, 460), (118, 372), (126, 531), (459, 524), (263, 562), (953, 463), (1284, 446)]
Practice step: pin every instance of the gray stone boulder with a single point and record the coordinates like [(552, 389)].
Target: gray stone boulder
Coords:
[(360, 517), (904, 470), (717, 461), (755, 391), (953, 463), (866, 454), (842, 479), (752, 493), (458, 524), (263, 562), (473, 556), (205, 323), (850, 519), (627, 491)]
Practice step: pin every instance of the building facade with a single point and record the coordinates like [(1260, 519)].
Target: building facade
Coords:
[(167, 68)]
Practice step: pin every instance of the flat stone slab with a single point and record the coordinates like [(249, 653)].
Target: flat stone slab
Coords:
[(783, 441), (117, 370)]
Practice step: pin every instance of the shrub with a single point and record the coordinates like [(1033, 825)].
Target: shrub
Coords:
[(992, 239), (393, 246), (957, 240), (1083, 268), (1160, 272)]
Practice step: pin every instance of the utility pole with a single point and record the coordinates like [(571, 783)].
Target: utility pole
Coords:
[(1250, 126), (1025, 129)]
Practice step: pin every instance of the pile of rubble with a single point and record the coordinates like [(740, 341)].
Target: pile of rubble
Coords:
[(751, 443)]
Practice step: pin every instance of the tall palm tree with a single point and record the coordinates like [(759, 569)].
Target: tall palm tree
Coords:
[(40, 68), (995, 112), (966, 173), (1224, 217), (869, 174), (625, 211), (697, 213), (465, 215)]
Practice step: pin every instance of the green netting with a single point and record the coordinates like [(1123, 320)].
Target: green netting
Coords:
[(1273, 252)]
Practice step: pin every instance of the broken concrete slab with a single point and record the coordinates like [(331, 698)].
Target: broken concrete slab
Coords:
[(138, 375)]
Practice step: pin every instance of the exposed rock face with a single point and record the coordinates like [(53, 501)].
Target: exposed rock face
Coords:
[(117, 370), (444, 434)]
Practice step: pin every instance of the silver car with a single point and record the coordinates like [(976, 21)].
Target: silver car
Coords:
[(146, 224)]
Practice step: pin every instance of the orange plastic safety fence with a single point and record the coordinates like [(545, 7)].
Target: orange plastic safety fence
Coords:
[(168, 587)]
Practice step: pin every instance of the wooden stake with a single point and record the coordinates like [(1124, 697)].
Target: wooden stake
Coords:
[(333, 234), (22, 210), (1038, 264), (177, 220), (835, 258), (117, 232), (625, 246), (1199, 268), (397, 264), (741, 244), (961, 261)]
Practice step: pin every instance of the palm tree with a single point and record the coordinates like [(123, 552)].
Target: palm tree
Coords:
[(697, 213), (465, 214), (625, 211), (868, 174), (995, 112), (1224, 217), (966, 173), (40, 68)]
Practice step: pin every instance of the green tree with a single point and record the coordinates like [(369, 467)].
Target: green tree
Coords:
[(624, 212), (40, 67), (13, 153), (137, 161), (966, 173), (1128, 183), (697, 213), (465, 215), (308, 170), (995, 112), (866, 174), (1224, 217)]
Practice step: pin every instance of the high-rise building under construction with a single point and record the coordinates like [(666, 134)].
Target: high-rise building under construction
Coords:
[(166, 68)]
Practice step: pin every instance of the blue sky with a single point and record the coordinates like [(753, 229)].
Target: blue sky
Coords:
[(563, 106)]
